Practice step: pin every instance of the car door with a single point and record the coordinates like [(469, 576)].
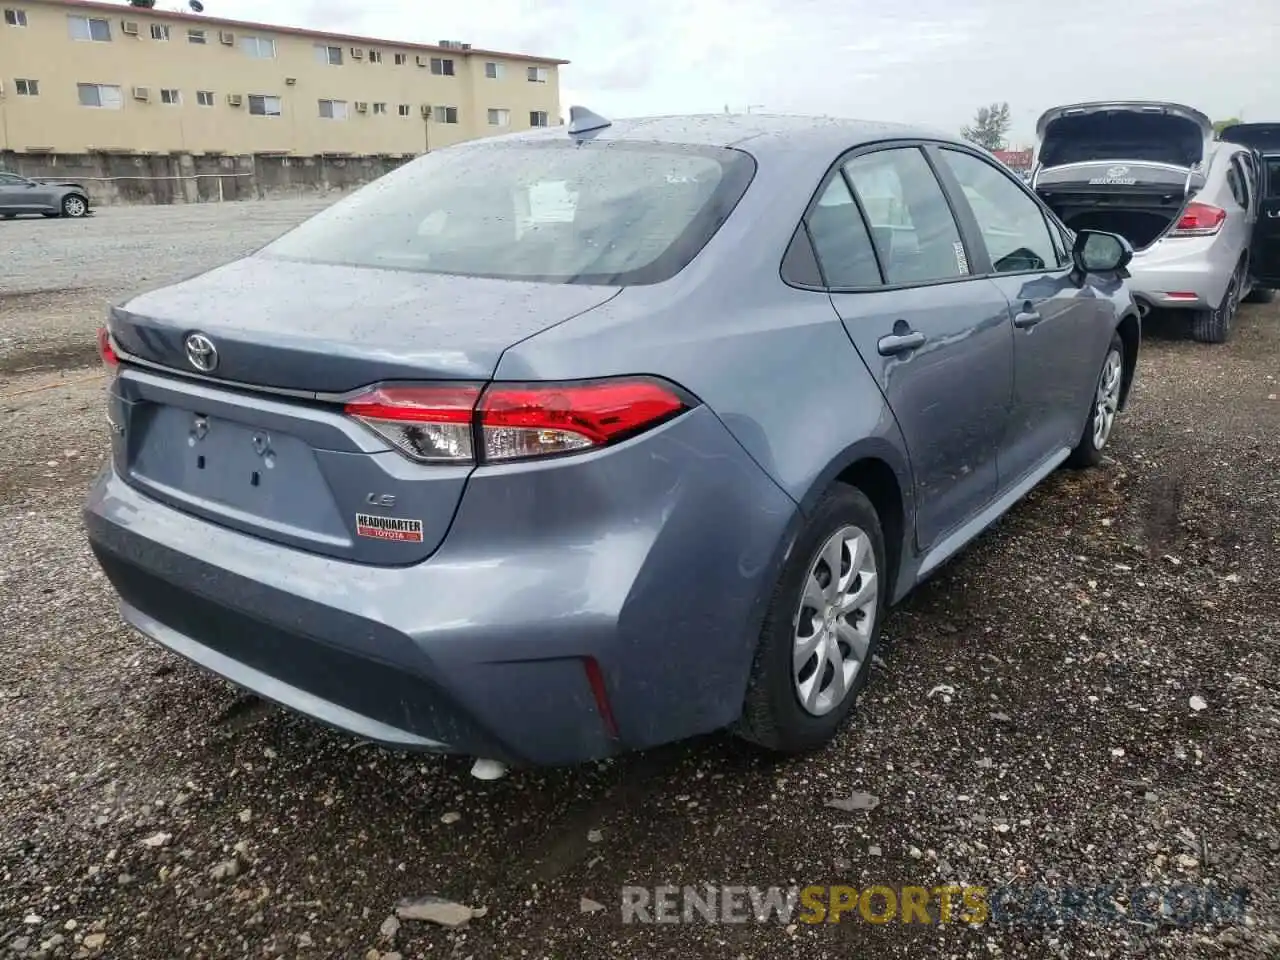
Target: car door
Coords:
[(14, 196), (1264, 140), (935, 337), (1060, 329)]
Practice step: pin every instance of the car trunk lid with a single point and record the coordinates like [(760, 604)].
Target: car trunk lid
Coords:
[(260, 442), (1168, 133)]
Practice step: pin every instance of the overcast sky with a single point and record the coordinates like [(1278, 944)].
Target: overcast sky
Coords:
[(933, 63)]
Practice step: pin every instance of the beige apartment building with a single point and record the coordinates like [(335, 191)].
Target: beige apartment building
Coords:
[(78, 76)]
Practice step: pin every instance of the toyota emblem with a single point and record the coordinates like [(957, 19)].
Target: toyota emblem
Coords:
[(201, 352)]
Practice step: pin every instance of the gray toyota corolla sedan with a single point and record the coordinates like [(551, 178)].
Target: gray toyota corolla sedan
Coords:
[(583, 440)]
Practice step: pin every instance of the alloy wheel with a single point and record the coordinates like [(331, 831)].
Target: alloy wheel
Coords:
[(1107, 400), (73, 207), (834, 623)]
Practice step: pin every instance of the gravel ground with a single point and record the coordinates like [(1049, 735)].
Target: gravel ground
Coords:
[(1032, 721)]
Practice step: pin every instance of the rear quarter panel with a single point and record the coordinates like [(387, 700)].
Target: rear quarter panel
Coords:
[(773, 362)]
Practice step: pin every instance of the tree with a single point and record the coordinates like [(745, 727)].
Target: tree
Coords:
[(990, 126)]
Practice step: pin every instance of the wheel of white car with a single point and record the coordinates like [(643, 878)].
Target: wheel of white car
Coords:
[(74, 205), (822, 627), (1103, 408), (1214, 326)]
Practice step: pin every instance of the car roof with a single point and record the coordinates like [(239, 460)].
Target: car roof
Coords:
[(764, 132)]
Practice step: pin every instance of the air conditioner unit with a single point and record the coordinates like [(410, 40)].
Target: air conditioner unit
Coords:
[(362, 107), (234, 100), (357, 53), (130, 27), (227, 37), (142, 93), (290, 81), (422, 61), (425, 110)]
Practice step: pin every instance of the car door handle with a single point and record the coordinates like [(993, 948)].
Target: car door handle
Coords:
[(1027, 318), (900, 343)]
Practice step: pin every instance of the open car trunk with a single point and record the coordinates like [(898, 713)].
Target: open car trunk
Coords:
[(1126, 167), (1138, 201)]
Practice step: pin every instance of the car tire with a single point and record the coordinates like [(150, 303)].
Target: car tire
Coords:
[(1214, 326), (794, 705), (1260, 295), (1103, 409), (74, 205)]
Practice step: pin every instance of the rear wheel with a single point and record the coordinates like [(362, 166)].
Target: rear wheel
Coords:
[(1102, 415), (821, 630), (1260, 295), (74, 206), (1214, 326)]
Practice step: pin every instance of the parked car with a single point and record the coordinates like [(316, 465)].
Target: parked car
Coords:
[(19, 195), (1264, 262), (549, 446), (1153, 173)]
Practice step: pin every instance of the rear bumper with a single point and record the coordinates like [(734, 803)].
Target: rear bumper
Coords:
[(1182, 273), (652, 559)]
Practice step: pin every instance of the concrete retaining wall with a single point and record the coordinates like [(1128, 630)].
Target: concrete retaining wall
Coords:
[(186, 178)]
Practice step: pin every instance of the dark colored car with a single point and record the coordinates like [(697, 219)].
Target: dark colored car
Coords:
[(546, 447)]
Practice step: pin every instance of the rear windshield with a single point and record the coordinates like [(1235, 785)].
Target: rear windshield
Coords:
[(608, 212)]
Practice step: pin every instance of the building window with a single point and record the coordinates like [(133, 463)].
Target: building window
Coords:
[(499, 118), (446, 114), (204, 98), (537, 74), (494, 71), (170, 96), (27, 88), (401, 59), (260, 48), (537, 118), (15, 18), (159, 31), (405, 110), (264, 106), (375, 56), (89, 28), (379, 108), (442, 67), (195, 36), (333, 109), (330, 55), (106, 96)]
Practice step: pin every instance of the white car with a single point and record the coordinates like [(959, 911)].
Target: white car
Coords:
[(1154, 173)]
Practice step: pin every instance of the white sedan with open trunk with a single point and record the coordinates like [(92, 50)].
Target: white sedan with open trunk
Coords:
[(1187, 203)]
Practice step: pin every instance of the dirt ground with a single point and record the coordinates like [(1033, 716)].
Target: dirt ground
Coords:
[(1086, 697)]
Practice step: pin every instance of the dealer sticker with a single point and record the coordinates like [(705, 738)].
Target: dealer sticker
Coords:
[(388, 528)]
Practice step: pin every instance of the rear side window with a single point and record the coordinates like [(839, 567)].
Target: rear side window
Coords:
[(1272, 166), (603, 212), (841, 240), (1012, 224), (911, 224)]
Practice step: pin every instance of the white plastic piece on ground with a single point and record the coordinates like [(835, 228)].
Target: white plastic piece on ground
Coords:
[(488, 769)]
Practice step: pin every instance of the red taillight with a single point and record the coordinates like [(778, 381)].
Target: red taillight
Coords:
[(534, 420), (440, 423), (107, 352), (430, 424), (1199, 220)]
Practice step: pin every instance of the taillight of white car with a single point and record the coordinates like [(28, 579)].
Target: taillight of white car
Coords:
[(1199, 220), (472, 423)]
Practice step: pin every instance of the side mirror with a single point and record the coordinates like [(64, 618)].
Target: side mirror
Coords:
[(1098, 252)]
